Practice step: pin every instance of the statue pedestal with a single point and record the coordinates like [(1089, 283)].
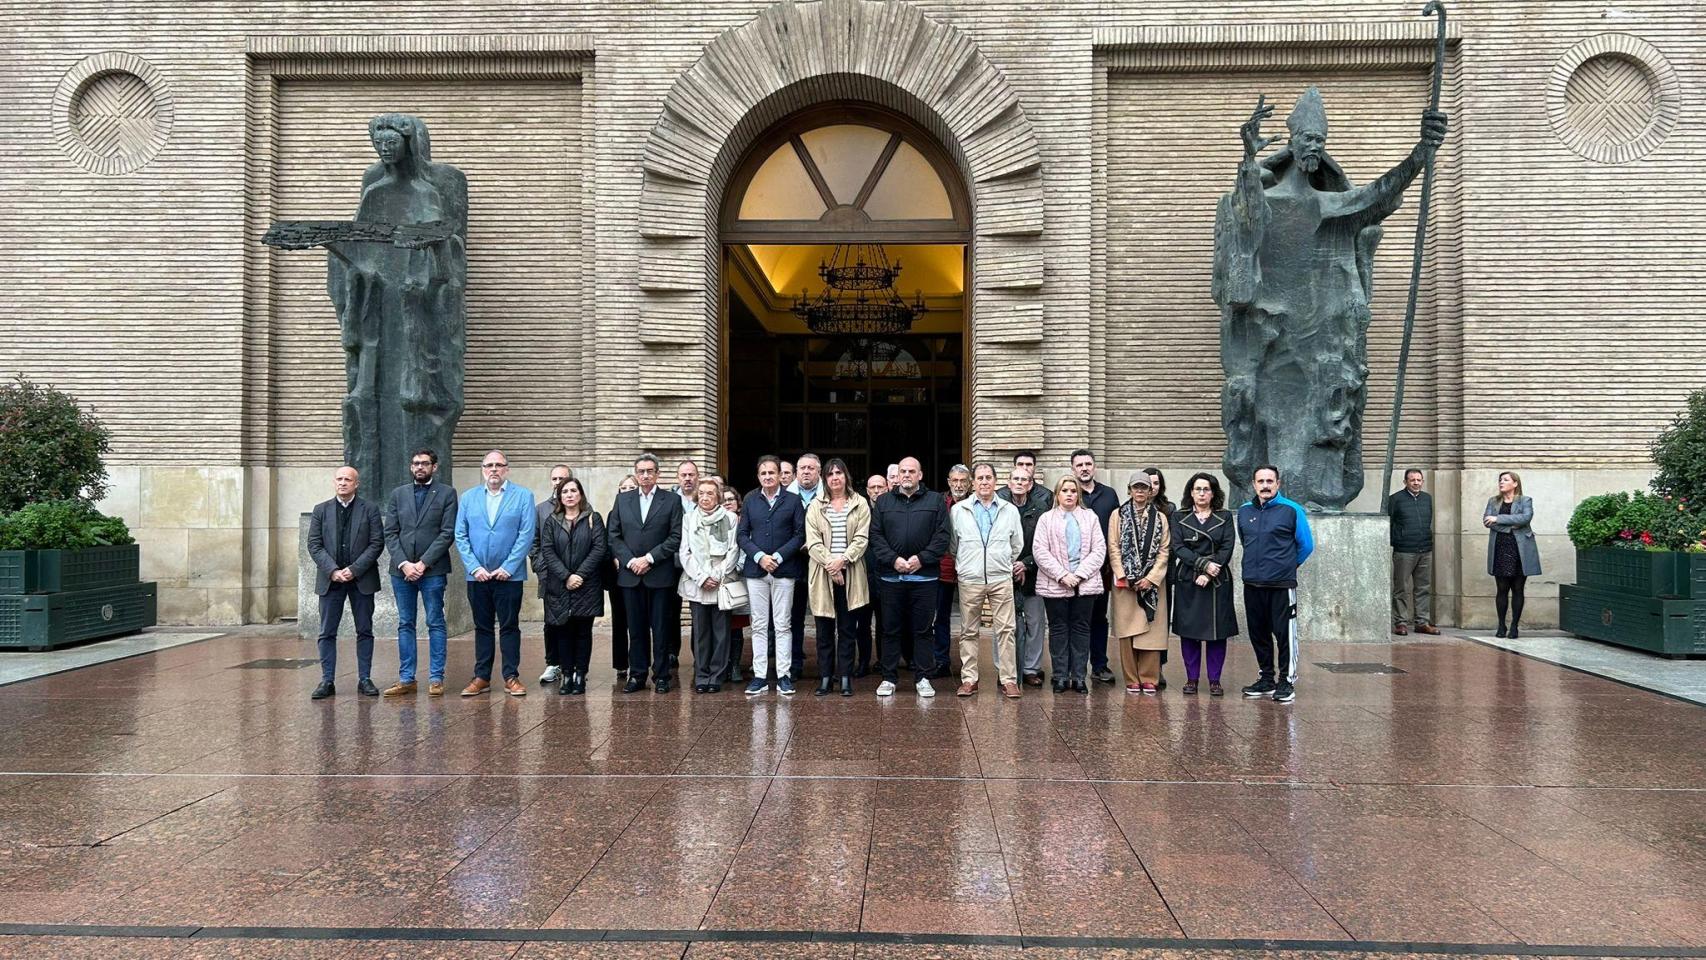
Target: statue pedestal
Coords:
[(457, 619), (1344, 591)]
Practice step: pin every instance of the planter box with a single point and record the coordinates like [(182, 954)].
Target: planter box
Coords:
[(1643, 573), (46, 621), (1671, 627), (57, 571)]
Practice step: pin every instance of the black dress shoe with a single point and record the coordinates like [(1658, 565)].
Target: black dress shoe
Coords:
[(324, 690), (567, 686), (1061, 686), (862, 670), (621, 674), (1515, 635), (366, 688), (580, 684), (662, 686), (634, 685), (824, 685), (1501, 631), (714, 688), (701, 687), (1160, 682), (1080, 686), (847, 686)]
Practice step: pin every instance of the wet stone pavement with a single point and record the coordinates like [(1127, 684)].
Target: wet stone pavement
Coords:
[(174, 806)]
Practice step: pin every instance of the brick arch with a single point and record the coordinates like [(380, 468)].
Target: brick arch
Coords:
[(795, 55)]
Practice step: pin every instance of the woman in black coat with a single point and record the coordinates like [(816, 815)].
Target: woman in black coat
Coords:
[(1203, 534), (573, 548)]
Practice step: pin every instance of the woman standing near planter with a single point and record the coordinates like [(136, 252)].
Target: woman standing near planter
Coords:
[(838, 528), (709, 558), (1139, 551), (1069, 549), (1203, 534), (573, 547), (1513, 555)]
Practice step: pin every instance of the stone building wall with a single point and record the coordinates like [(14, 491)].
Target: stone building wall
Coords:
[(143, 144)]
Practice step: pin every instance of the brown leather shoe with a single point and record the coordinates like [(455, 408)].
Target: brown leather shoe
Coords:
[(1428, 629), (966, 689), (476, 687), (435, 688), (400, 689), (1010, 690), (1401, 630), (515, 687)]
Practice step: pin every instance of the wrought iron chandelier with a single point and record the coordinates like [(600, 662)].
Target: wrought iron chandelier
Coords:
[(859, 296)]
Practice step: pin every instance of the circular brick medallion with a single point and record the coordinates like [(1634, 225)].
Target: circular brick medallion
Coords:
[(1613, 98), (112, 113)]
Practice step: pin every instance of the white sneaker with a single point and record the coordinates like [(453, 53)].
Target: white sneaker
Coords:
[(885, 689), (924, 687), (552, 675)]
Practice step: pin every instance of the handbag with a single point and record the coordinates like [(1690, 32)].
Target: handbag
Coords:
[(733, 598)]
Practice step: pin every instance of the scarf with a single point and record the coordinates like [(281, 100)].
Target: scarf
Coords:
[(1140, 545), (712, 533)]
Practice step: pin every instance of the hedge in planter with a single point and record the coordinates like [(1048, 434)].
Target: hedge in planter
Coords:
[(68, 574)]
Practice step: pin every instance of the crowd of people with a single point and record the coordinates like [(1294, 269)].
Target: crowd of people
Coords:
[(1072, 570)]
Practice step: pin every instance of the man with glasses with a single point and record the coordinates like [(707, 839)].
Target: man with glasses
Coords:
[(495, 525), (420, 526), (644, 528), (560, 474)]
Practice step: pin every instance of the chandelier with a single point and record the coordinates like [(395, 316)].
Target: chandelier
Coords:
[(859, 296)]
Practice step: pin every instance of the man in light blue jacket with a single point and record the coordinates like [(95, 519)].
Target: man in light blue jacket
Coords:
[(494, 532)]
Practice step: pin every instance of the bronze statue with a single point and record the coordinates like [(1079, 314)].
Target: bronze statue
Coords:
[(1294, 246), (397, 275)]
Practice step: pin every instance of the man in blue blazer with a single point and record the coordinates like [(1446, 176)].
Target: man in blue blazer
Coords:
[(644, 529), (494, 532), (772, 538)]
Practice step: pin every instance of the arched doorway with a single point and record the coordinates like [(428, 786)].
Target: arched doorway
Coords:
[(845, 235)]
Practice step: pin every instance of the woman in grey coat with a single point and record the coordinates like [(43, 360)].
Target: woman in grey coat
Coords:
[(1512, 553), (572, 545)]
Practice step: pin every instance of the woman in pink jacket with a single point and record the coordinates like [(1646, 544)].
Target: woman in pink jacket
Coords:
[(1069, 548)]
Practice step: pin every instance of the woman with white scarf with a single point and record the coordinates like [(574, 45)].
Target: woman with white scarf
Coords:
[(1139, 550), (709, 558)]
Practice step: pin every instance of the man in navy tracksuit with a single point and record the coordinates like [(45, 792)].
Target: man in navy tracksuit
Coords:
[(1276, 539)]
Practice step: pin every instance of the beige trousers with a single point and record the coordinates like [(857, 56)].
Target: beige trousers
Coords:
[(999, 598)]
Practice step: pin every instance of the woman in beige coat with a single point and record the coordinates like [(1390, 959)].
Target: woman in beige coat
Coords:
[(1139, 548), (838, 528)]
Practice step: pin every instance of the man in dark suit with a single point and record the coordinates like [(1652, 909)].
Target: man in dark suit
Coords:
[(772, 540), (345, 537), (420, 526), (645, 532), (560, 474)]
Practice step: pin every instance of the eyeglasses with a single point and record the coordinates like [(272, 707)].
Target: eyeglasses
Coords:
[(494, 466)]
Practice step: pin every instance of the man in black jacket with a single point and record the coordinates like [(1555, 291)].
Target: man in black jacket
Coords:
[(1103, 500), (645, 533), (345, 537), (1411, 513), (909, 534), (420, 528)]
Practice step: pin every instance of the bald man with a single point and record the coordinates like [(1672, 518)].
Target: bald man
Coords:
[(909, 535), (345, 537)]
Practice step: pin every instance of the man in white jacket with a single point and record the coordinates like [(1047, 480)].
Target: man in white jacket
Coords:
[(986, 539)]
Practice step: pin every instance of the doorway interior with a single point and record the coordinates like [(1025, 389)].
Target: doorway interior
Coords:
[(828, 189)]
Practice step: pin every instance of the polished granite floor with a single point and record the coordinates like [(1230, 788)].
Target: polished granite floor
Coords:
[(1466, 800)]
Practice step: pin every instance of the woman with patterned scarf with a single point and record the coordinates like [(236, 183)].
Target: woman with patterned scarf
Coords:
[(1139, 549)]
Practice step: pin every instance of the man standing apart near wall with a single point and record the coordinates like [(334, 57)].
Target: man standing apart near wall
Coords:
[(1100, 498), (420, 526), (345, 536), (494, 532), (1411, 513), (1276, 539)]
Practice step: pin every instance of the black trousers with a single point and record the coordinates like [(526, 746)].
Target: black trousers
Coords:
[(909, 617), (332, 615), (1271, 615), (496, 606), (569, 644), (1069, 641), (797, 619), (618, 627), (867, 624), (710, 643), (672, 624), (1099, 627), (551, 648), (649, 610), (837, 638)]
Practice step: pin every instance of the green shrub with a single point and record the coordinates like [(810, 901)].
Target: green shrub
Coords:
[(1680, 454), (1594, 522), (60, 525), (50, 448)]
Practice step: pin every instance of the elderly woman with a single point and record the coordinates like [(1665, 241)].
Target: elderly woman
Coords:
[(838, 529), (1139, 551), (1069, 549), (572, 548), (708, 558), (1513, 555), (1203, 614)]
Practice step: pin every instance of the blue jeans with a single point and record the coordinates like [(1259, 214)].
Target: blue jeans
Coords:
[(429, 590)]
